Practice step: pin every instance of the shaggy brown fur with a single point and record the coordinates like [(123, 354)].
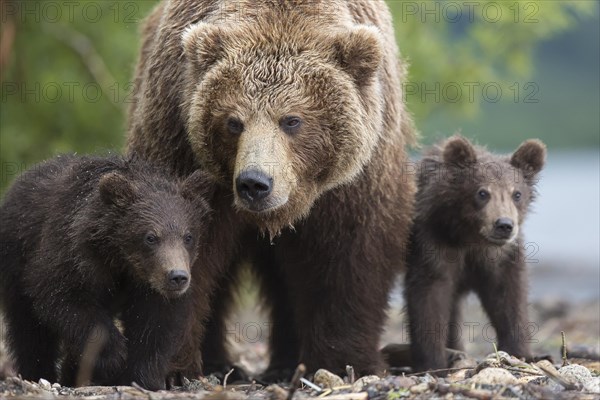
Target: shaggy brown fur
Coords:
[(466, 237), (307, 95), (89, 239)]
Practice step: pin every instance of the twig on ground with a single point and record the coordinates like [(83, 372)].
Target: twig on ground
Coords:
[(529, 371), (563, 348), (512, 364), (311, 385), (496, 351), (559, 379), (433, 371), (350, 373), (295, 383), (225, 378)]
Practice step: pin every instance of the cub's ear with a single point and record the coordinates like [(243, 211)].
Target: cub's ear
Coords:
[(203, 44), (199, 185), (359, 52), (530, 156), (115, 189), (459, 151)]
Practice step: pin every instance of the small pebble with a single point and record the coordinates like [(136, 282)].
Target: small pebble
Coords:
[(494, 376), (327, 380), (581, 374), (363, 382), (44, 384), (457, 376), (545, 364), (56, 386), (420, 388), (592, 385), (427, 378), (578, 373), (500, 354), (403, 382)]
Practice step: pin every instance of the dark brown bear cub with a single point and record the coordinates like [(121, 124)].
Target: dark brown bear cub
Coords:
[(85, 240), (466, 237)]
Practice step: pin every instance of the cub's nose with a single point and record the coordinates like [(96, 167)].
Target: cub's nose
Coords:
[(253, 185), (503, 227), (178, 279)]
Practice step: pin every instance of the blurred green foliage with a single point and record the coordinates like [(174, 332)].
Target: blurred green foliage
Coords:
[(67, 68), (503, 71), (477, 41)]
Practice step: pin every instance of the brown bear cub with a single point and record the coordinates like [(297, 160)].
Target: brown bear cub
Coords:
[(88, 239), (466, 237)]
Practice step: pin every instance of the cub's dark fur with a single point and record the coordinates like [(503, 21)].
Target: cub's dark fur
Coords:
[(469, 209), (85, 240)]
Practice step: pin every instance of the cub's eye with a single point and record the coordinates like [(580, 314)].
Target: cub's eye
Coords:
[(517, 195), (483, 194), (235, 126), (151, 239), (188, 238), (290, 124)]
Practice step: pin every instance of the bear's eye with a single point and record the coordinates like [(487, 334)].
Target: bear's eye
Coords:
[(235, 126), (483, 194), (290, 124), (151, 239), (188, 238), (517, 195)]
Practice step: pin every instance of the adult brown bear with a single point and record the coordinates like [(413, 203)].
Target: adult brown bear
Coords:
[(296, 108)]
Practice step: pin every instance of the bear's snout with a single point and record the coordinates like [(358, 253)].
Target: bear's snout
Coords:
[(178, 280), (253, 186), (503, 228)]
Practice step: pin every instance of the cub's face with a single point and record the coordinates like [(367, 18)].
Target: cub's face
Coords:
[(280, 115), (501, 205), (486, 196), (160, 228)]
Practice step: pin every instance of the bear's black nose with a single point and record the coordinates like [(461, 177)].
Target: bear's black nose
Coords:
[(178, 279), (254, 185), (503, 227)]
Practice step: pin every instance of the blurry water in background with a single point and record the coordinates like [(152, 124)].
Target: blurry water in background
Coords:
[(565, 225)]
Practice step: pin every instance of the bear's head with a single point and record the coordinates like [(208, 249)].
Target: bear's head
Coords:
[(478, 195), (158, 225), (281, 111)]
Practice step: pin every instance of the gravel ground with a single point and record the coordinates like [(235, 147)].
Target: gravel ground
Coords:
[(496, 377), (479, 375)]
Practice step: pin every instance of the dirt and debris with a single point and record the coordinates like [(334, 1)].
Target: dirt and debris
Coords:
[(491, 379), (482, 374), (498, 376)]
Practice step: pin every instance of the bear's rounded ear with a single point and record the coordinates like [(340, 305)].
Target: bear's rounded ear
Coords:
[(530, 156), (203, 44), (459, 151), (115, 189), (198, 185), (359, 52)]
